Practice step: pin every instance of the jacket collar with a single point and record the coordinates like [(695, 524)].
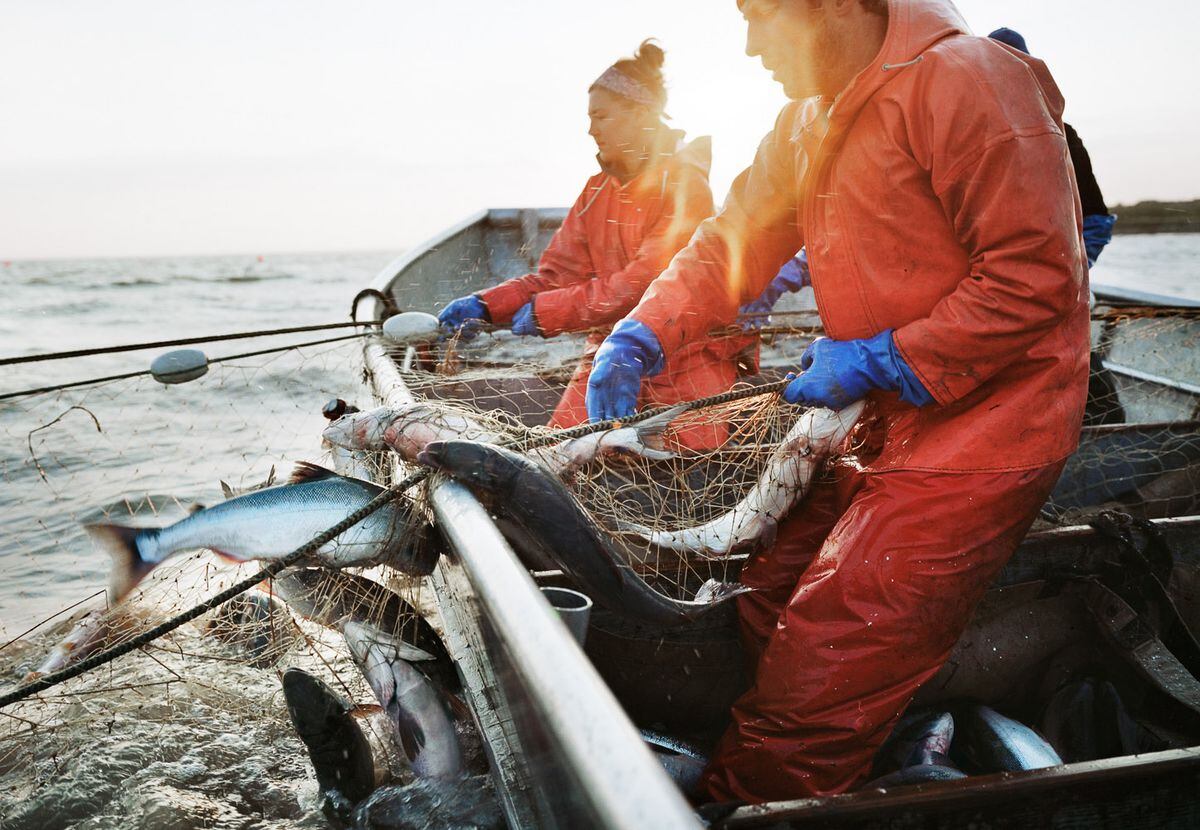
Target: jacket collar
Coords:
[(913, 27), (668, 147)]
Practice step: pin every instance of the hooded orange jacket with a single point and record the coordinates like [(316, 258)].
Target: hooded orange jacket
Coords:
[(936, 198), (617, 237)]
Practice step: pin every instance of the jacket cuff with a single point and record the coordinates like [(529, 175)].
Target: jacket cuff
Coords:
[(553, 312), (505, 300), (938, 392)]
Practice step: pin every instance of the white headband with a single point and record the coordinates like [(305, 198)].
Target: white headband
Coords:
[(616, 81)]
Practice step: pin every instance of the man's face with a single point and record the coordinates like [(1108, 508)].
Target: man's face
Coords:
[(794, 42)]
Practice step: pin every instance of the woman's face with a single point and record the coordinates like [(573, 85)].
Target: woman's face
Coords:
[(618, 126)]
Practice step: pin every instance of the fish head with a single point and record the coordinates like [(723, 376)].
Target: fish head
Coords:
[(828, 429), (474, 464), (358, 639), (366, 640), (360, 430)]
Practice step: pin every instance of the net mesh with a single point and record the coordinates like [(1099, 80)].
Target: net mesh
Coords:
[(193, 723), (198, 714)]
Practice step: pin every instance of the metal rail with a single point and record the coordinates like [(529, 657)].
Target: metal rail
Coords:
[(1148, 377), (613, 780)]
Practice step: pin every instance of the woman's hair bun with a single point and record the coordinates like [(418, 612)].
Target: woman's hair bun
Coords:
[(645, 67), (650, 56)]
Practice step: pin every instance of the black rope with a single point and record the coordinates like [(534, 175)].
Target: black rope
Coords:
[(108, 655), (226, 358), (187, 341), (390, 309)]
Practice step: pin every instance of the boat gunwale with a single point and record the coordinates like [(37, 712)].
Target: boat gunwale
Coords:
[(972, 791)]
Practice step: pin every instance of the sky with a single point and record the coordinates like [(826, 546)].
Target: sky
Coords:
[(162, 127)]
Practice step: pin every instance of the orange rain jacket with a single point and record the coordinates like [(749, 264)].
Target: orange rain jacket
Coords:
[(617, 238), (935, 197)]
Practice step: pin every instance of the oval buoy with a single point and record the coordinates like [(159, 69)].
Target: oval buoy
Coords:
[(336, 408), (179, 366), (411, 327)]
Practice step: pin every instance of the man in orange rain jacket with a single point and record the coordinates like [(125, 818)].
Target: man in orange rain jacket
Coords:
[(631, 218), (927, 174)]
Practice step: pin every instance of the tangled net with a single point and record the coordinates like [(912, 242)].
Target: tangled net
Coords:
[(194, 723)]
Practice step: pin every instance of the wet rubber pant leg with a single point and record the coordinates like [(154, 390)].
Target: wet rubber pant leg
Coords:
[(873, 616), (774, 572)]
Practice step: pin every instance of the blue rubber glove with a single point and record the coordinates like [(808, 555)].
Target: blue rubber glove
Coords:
[(1097, 232), (524, 323), (793, 276), (464, 316), (630, 353), (836, 373)]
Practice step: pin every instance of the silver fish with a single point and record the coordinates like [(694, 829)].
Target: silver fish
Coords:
[(642, 439), (409, 429), (416, 708), (269, 524), (90, 632), (922, 739), (991, 742), (334, 598), (785, 480), (919, 774)]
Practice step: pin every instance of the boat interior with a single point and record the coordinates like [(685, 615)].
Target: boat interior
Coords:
[(1077, 605)]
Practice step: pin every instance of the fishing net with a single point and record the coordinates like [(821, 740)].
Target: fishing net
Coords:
[(194, 723), (1140, 449)]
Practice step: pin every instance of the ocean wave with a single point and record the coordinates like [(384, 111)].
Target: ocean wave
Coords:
[(130, 283), (246, 276)]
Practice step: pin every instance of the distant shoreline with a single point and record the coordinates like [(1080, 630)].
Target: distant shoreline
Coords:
[(1158, 217)]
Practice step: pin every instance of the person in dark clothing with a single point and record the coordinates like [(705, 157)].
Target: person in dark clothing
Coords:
[(1097, 221), (1103, 405)]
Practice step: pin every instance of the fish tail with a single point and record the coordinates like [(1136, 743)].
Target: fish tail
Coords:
[(714, 594), (715, 591), (650, 433), (129, 566)]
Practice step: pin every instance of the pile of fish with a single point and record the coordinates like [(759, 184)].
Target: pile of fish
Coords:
[(927, 746), (416, 728), (1084, 720)]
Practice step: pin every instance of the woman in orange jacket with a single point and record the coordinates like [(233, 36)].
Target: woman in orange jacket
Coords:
[(633, 216)]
